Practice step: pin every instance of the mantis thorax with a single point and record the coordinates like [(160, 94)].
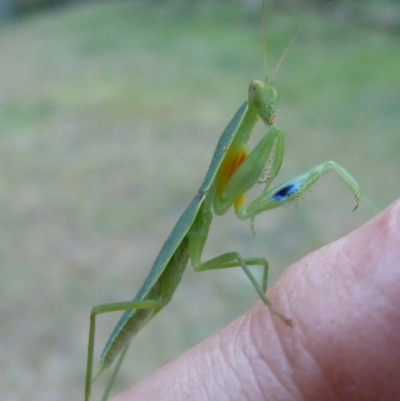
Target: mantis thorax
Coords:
[(264, 98)]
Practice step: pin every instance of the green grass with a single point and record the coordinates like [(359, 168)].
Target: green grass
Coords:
[(109, 116)]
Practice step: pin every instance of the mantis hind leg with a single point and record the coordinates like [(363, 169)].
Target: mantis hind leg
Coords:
[(105, 308), (115, 372), (234, 259)]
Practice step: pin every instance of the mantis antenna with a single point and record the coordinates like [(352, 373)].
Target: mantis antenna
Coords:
[(264, 39), (264, 45), (284, 54)]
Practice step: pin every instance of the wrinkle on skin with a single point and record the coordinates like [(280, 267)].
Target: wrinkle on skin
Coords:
[(267, 334), (228, 376), (257, 354), (243, 365)]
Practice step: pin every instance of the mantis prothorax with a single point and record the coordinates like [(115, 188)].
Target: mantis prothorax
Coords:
[(234, 170)]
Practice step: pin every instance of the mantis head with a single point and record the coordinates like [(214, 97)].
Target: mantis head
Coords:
[(264, 98)]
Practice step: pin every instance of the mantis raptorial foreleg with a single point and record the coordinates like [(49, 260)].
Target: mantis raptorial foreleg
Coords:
[(264, 160), (292, 189)]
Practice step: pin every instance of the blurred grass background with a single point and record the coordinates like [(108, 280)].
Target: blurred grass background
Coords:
[(109, 115)]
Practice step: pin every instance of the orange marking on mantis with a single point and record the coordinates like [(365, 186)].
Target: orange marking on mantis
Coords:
[(239, 201), (233, 159)]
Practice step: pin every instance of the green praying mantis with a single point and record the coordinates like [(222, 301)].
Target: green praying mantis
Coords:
[(233, 171)]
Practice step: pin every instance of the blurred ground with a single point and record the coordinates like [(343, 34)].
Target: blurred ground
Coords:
[(109, 115)]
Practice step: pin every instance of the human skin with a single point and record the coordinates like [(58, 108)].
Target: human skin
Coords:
[(344, 344)]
